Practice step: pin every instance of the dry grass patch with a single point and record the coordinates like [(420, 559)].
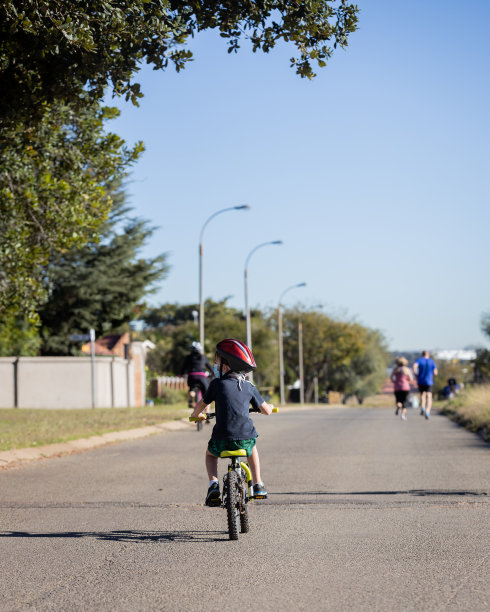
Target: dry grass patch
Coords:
[(472, 410), (381, 400), (22, 428)]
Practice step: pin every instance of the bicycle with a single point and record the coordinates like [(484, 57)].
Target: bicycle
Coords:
[(237, 487)]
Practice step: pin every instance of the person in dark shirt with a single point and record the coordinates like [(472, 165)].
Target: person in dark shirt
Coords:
[(196, 365), (234, 429)]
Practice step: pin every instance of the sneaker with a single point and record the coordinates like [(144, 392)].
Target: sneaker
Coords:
[(213, 497), (404, 417), (427, 415), (422, 412), (396, 412), (260, 492)]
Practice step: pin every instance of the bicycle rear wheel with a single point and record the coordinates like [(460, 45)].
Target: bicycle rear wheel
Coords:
[(232, 504), (198, 396)]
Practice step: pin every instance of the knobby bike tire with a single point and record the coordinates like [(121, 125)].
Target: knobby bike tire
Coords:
[(244, 522), (232, 508)]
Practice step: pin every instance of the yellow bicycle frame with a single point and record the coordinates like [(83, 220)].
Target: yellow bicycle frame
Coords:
[(248, 473)]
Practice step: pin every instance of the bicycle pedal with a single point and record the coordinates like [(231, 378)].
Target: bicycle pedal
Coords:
[(260, 496)]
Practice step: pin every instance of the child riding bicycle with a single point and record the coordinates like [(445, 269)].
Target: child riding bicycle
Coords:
[(234, 428), (195, 366)]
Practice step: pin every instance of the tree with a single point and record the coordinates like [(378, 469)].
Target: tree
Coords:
[(485, 324), (329, 345), (342, 354), (367, 370), (60, 50), (99, 285), (481, 364), (171, 327), (57, 60), (18, 336), (53, 195)]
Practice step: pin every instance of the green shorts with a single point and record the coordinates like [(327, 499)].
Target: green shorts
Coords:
[(215, 447)]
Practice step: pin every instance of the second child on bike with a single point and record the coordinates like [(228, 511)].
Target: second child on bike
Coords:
[(234, 429), (197, 367)]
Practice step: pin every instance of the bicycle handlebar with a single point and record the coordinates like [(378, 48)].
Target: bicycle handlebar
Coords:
[(211, 415)]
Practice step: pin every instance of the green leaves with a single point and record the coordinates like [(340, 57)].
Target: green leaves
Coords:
[(98, 286), (345, 355), (51, 50), (57, 61), (485, 324), (52, 193), (18, 336)]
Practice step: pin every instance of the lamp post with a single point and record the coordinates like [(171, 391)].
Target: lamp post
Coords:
[(201, 298), (245, 278), (300, 362), (281, 353)]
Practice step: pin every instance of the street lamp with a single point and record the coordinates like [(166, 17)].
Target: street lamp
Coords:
[(201, 299), (245, 276), (281, 353), (300, 363)]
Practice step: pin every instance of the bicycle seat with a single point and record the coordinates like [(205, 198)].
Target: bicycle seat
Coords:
[(233, 453)]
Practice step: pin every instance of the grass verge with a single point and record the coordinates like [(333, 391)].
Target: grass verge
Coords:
[(22, 428), (381, 400), (471, 409)]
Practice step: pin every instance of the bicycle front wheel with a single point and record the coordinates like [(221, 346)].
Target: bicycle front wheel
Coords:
[(232, 504)]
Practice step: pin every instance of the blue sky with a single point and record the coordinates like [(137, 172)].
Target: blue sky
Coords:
[(375, 174)]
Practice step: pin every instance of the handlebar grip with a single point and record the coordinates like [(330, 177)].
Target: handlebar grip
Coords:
[(275, 409), (194, 419)]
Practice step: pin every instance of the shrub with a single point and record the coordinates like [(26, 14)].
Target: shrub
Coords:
[(171, 396)]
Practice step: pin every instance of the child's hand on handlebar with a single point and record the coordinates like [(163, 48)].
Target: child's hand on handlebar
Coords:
[(200, 417), (266, 408)]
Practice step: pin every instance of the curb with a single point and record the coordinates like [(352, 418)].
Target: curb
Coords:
[(21, 456), (14, 458)]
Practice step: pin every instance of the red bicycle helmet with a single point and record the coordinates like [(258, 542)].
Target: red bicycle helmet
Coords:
[(236, 354)]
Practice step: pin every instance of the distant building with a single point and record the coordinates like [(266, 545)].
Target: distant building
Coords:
[(455, 354), (441, 354), (112, 344)]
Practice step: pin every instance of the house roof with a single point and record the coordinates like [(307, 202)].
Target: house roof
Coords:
[(108, 345)]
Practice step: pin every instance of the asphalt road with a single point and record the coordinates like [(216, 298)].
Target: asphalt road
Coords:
[(365, 512)]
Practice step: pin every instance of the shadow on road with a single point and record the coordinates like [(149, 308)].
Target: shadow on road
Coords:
[(416, 492), (126, 536)]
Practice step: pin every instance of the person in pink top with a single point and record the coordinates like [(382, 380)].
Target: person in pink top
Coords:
[(401, 377)]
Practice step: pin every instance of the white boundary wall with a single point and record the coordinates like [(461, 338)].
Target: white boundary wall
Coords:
[(65, 382)]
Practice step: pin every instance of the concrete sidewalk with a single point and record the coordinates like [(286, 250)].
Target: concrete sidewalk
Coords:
[(14, 458)]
